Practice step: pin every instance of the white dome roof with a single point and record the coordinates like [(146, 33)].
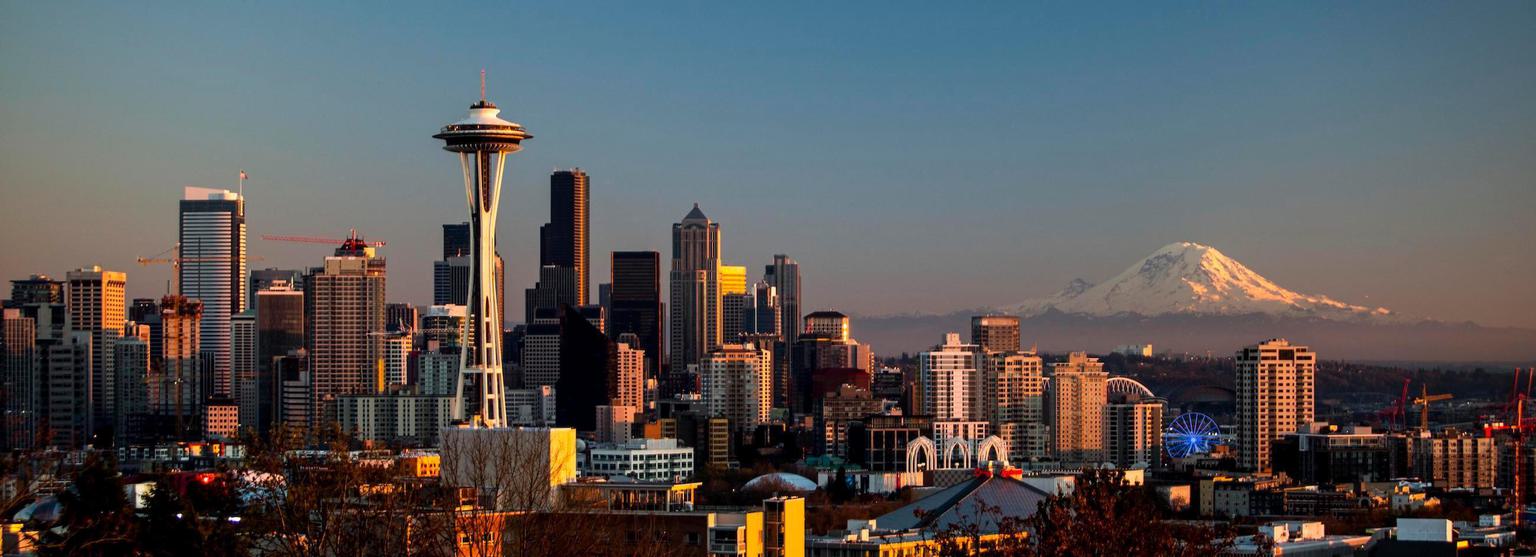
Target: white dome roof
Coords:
[(794, 482)]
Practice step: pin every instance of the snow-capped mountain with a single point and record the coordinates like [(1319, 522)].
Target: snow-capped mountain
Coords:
[(1190, 278)]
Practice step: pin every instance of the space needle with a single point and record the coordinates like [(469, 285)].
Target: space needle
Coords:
[(483, 140)]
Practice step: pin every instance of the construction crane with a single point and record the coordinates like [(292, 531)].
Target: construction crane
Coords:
[(350, 239), (1517, 424), (1424, 399), (176, 261), (1392, 416)]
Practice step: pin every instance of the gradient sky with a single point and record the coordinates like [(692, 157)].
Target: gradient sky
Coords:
[(912, 156)]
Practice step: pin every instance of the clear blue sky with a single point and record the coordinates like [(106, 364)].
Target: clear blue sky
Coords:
[(912, 156)]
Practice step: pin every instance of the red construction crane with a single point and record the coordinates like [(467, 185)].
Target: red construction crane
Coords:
[(1517, 425), (351, 239)]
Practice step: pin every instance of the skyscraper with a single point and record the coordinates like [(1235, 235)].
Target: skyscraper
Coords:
[(450, 276), (1274, 397), (67, 372), (212, 241), (23, 389), (636, 302), (949, 376), (734, 298), (784, 275), (279, 331), (37, 289), (482, 140), (563, 241), (995, 333), (737, 382), (97, 306), (588, 373), (1133, 430), (1074, 408), (242, 363), (630, 376), (344, 309), (695, 296)]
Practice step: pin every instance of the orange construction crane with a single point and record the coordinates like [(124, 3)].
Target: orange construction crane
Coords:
[(352, 238), (1424, 399)]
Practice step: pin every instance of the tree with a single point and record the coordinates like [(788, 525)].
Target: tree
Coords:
[(94, 514)]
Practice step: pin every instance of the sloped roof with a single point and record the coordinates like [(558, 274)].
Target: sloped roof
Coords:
[(961, 505), (695, 214)]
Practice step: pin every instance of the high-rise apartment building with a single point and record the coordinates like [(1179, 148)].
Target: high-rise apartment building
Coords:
[(67, 374), (1456, 460), (1074, 408), (36, 289), (630, 369), (737, 384), (97, 306), (1274, 397), (695, 296), (1012, 388), (212, 244), (1133, 430), (949, 375), (344, 309), (784, 275), (131, 361), (635, 303), (995, 333), (262, 279)]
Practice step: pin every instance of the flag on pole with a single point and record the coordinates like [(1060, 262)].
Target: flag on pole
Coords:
[(244, 176)]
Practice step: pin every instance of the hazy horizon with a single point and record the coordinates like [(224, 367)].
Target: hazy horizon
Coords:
[(928, 161)]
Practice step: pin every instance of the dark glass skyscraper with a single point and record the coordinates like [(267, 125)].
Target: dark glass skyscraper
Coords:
[(562, 246), (450, 275), (563, 242), (784, 276), (636, 304)]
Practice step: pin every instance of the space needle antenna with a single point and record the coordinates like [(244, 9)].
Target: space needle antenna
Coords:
[(482, 84)]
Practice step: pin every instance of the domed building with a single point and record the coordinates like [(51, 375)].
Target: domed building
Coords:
[(780, 481)]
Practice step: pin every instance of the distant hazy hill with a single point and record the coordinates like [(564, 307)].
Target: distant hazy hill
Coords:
[(1188, 297)]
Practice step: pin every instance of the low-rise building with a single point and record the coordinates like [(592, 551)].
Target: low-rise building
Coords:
[(640, 459)]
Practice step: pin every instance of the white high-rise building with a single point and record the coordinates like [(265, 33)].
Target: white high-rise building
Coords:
[(1274, 397), (397, 357), (212, 244), (950, 377), (1074, 408), (738, 384)]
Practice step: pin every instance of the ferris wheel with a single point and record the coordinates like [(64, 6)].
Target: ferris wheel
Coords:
[(1191, 433)]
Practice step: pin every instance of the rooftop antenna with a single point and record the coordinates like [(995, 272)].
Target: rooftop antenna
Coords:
[(482, 84)]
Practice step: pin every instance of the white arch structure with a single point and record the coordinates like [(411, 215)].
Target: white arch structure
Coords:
[(920, 448), (957, 453), (1126, 385)]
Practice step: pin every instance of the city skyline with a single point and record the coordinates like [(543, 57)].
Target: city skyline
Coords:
[(1062, 150)]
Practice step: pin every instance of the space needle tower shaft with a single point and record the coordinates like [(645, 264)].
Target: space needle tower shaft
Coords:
[(482, 140)]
